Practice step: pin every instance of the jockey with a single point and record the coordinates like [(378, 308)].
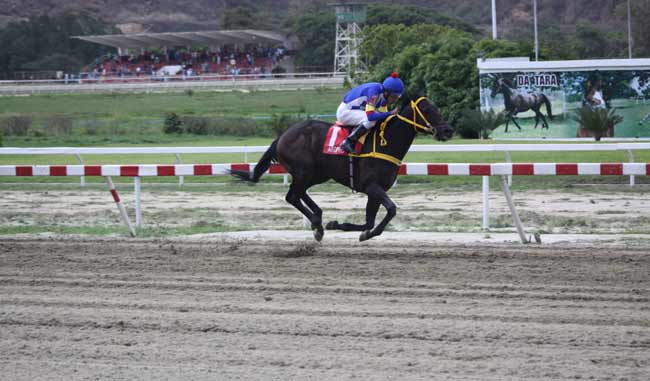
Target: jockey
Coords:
[(367, 104)]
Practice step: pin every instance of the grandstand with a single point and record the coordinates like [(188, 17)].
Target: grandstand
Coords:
[(162, 62), (226, 52)]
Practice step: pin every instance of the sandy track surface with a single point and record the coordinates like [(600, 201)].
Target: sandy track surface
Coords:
[(565, 211), (254, 309)]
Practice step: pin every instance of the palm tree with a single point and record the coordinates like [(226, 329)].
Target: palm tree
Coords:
[(598, 121)]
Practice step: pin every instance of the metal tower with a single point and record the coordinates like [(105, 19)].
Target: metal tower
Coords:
[(348, 37)]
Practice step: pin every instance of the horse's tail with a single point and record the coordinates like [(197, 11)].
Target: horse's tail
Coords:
[(547, 102), (262, 165)]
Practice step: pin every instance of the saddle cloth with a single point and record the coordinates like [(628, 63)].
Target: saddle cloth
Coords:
[(335, 137)]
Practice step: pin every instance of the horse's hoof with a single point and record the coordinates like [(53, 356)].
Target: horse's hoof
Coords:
[(365, 236), (319, 233), (332, 225)]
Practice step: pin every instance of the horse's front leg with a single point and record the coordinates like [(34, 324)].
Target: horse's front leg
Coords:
[(515, 122), (372, 206), (377, 192)]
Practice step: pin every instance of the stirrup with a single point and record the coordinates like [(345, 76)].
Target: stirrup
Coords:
[(348, 146)]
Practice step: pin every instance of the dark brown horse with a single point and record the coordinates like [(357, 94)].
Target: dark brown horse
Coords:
[(516, 103), (300, 151)]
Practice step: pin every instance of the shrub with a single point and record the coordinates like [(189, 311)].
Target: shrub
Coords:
[(58, 125), (92, 127), (278, 124), (474, 124), (598, 121), (17, 125), (219, 126), (195, 125), (172, 124)]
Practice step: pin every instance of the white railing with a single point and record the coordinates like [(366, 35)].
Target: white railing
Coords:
[(502, 170), (164, 78), (245, 150), (257, 149), (170, 83)]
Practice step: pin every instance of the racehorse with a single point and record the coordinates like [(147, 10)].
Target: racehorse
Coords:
[(300, 151), (515, 102)]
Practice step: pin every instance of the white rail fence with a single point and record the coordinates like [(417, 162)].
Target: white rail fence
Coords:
[(292, 81), (506, 149), (419, 169)]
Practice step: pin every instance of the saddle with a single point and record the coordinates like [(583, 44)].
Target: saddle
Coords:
[(336, 134)]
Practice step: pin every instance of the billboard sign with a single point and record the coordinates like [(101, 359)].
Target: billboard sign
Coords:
[(540, 99)]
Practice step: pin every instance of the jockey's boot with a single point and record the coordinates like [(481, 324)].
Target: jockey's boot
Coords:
[(349, 142)]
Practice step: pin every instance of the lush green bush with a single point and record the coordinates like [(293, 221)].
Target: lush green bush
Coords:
[(280, 123), (172, 124), (58, 125), (198, 125), (219, 126), (16, 125), (222, 126), (474, 124)]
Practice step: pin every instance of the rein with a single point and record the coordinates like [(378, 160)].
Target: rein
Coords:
[(414, 105), (383, 142)]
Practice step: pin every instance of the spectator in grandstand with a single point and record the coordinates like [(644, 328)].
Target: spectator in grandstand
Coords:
[(367, 104)]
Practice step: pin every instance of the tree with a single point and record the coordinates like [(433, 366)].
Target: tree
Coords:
[(40, 42), (590, 42), (410, 15), (315, 29), (239, 18), (316, 33)]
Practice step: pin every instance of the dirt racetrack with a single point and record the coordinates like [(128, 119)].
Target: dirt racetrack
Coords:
[(255, 309)]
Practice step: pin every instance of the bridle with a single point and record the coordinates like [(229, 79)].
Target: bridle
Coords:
[(429, 128)]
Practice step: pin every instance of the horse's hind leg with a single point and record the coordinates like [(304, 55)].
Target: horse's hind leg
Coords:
[(377, 192), (317, 219), (544, 121), (294, 197), (372, 206)]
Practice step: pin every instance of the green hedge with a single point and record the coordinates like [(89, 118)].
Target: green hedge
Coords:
[(217, 126)]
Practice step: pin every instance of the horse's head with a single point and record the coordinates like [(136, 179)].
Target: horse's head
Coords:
[(425, 117), (497, 86), (500, 85)]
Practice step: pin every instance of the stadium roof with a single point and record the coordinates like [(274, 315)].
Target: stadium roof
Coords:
[(204, 38)]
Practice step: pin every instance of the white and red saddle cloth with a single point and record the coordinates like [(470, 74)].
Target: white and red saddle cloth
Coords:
[(335, 137)]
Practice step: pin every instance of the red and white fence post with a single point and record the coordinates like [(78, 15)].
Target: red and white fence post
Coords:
[(503, 170), (120, 206)]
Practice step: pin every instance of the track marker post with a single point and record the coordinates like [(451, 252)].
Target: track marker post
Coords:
[(513, 211), (82, 179), (486, 202), (137, 182), (181, 179), (630, 157), (120, 206)]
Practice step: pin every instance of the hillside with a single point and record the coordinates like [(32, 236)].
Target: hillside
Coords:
[(514, 16)]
